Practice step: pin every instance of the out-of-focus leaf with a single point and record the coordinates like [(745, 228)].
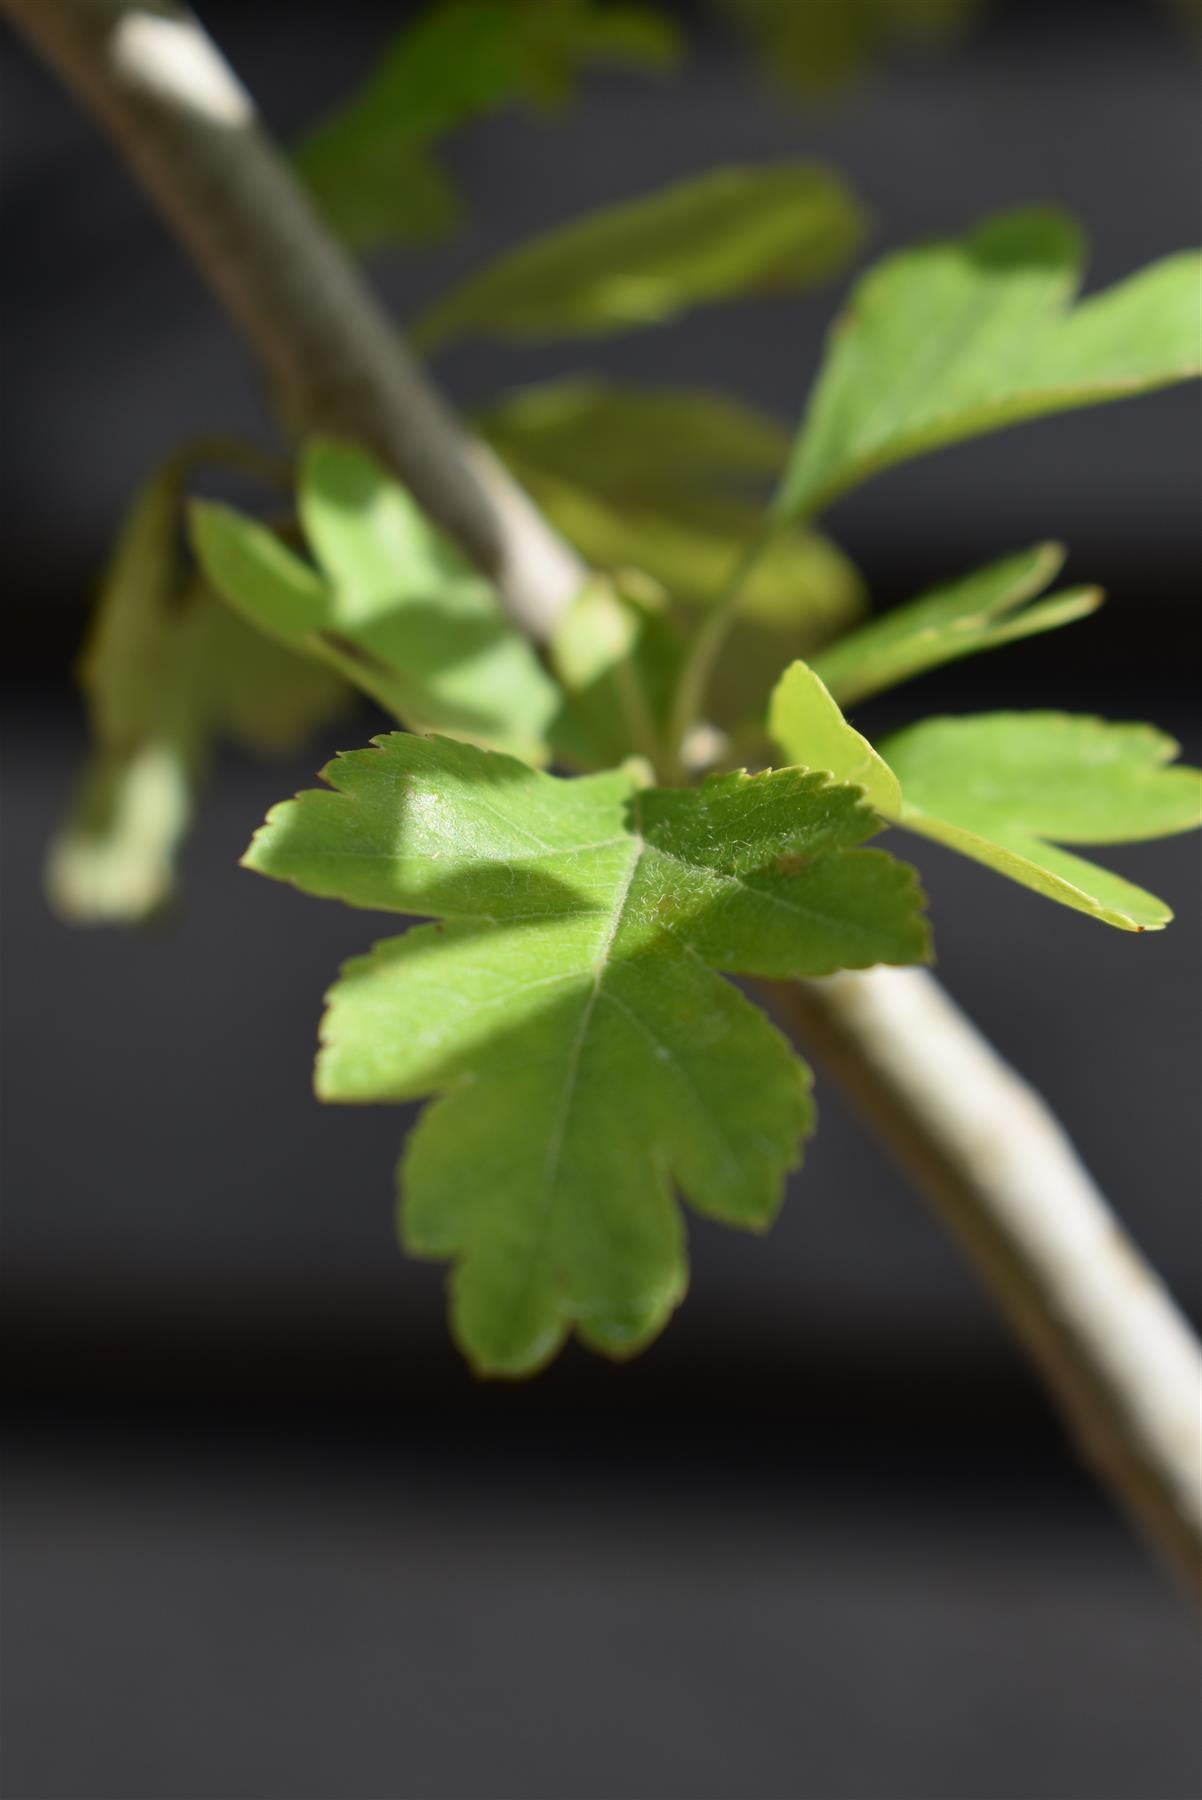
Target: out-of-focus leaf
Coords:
[(809, 729), (617, 657), (586, 1060), (371, 167), (728, 234), (975, 612), (662, 480), (960, 338), (1007, 789), (392, 606), (812, 45), (113, 862), (633, 443), (164, 670), (264, 696)]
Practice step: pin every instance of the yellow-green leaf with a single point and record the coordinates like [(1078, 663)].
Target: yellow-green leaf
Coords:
[(976, 612), (963, 337), (732, 233)]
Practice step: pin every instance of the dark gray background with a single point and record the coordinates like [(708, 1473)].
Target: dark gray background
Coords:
[(264, 1537)]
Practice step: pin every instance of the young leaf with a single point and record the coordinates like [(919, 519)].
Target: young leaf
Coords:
[(976, 612), (634, 443), (392, 607), (811, 732), (618, 658), (565, 1010), (963, 337), (370, 166), (730, 233), (1007, 788)]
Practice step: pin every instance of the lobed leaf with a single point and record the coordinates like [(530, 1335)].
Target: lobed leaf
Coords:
[(731, 233), (390, 606), (963, 337), (1008, 788), (371, 167), (975, 612), (565, 1010)]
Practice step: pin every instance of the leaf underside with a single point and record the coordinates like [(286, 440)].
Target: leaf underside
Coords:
[(566, 1010)]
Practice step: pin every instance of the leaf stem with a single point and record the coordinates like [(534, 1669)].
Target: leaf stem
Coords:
[(689, 699)]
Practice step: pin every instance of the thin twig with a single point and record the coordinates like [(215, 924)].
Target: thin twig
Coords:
[(983, 1147)]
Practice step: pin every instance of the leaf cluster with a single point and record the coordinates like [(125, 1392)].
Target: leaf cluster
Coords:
[(564, 1009)]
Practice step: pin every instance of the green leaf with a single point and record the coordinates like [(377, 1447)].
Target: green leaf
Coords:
[(731, 233), (370, 166), (633, 443), (564, 1009), (1007, 788), (618, 658), (113, 862), (975, 612), (811, 732), (818, 44), (963, 337), (123, 664), (660, 480), (392, 607)]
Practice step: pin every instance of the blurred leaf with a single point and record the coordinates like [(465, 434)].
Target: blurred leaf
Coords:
[(113, 861), (565, 1014), (812, 45), (1007, 788), (633, 443), (391, 606), (264, 696), (725, 235), (975, 612), (811, 732), (164, 669), (963, 337), (370, 166), (659, 479), (618, 658), (124, 660)]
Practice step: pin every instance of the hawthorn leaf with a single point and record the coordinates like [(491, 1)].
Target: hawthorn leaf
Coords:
[(818, 45), (390, 605), (122, 666), (371, 165), (962, 337), (720, 236), (662, 480), (113, 861), (618, 659), (806, 724), (975, 612), (565, 1010), (636, 443), (1007, 789)]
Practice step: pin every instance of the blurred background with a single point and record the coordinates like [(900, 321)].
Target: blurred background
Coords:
[(265, 1538)]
